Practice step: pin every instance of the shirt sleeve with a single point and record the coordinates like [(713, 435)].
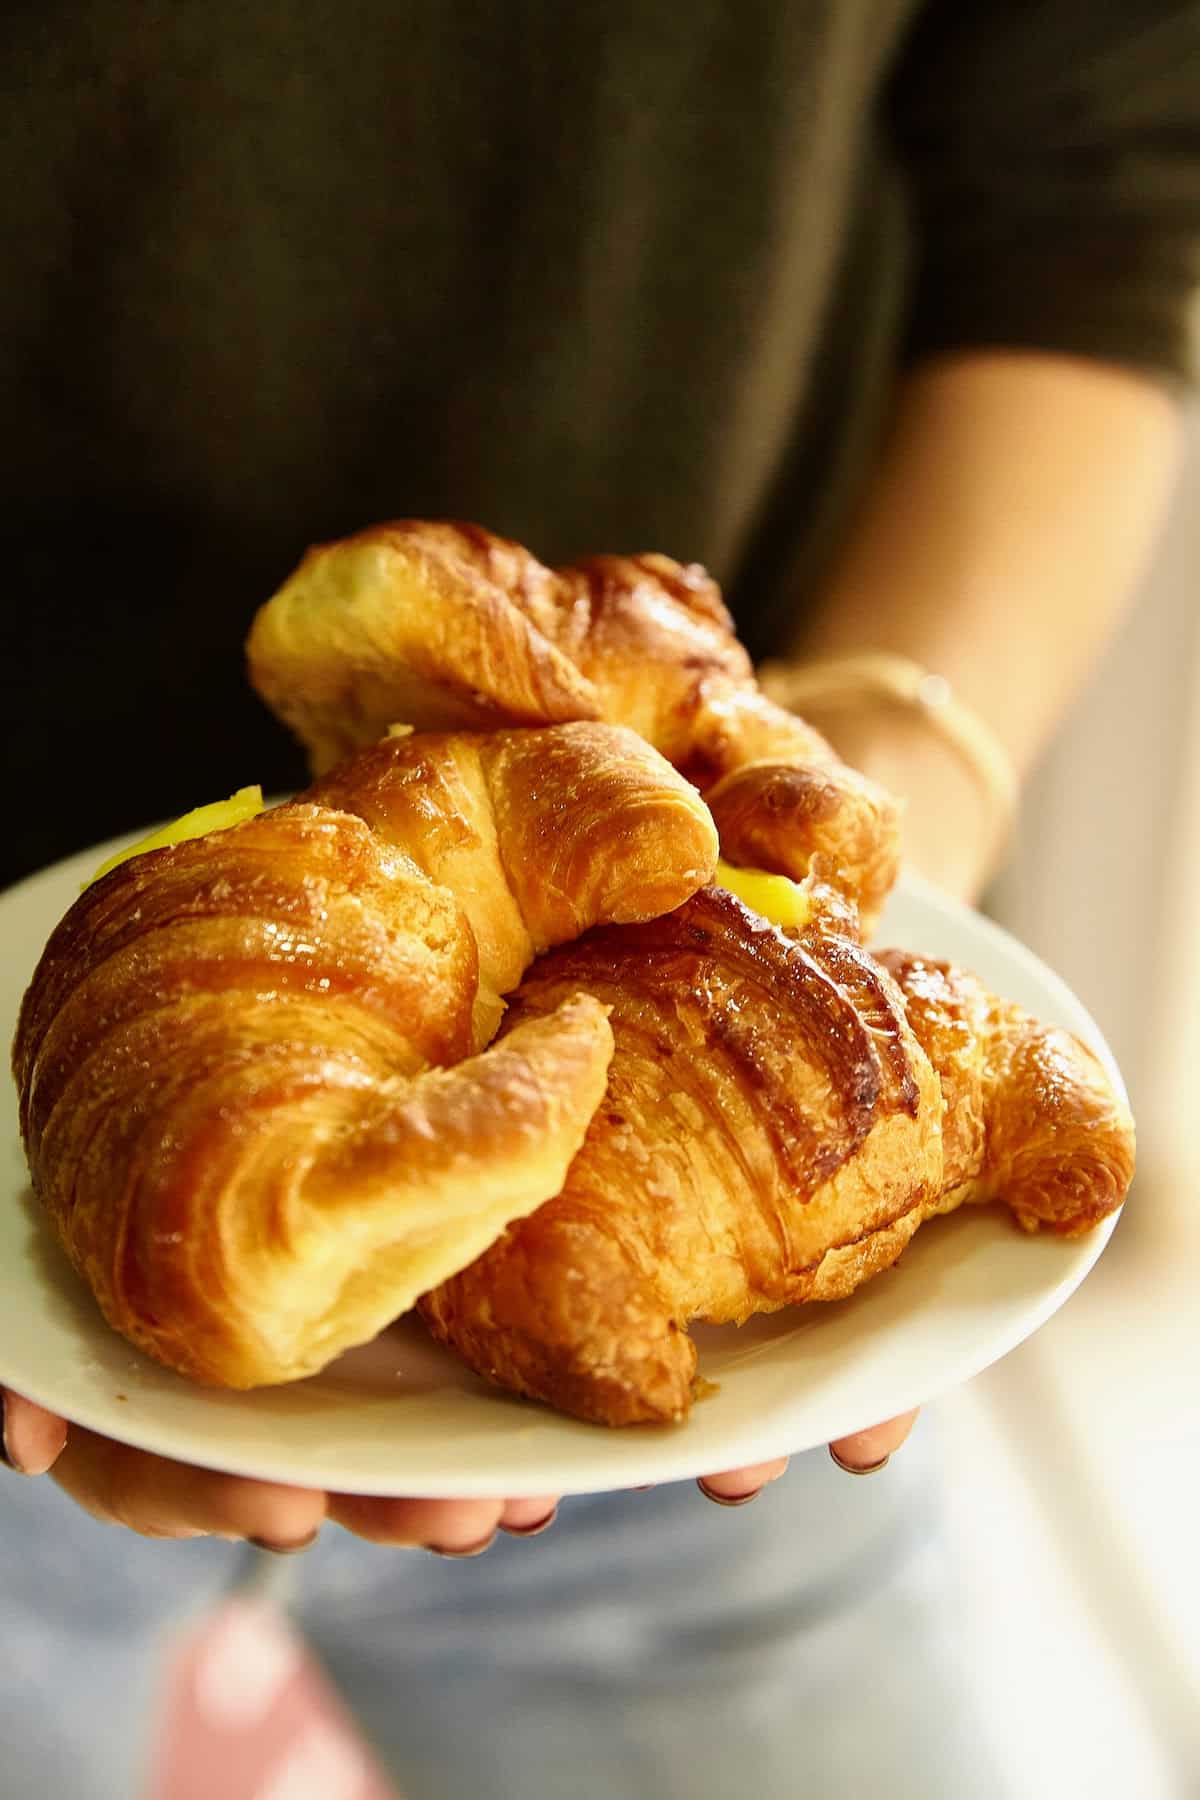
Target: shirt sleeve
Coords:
[(1053, 151)]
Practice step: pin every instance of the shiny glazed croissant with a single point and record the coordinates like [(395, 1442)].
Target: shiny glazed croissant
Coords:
[(780, 1117), (251, 1086), (441, 626)]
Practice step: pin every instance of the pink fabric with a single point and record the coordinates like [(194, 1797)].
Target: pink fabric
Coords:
[(250, 1716)]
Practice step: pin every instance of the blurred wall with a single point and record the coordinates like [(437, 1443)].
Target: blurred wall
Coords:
[(1072, 1466)]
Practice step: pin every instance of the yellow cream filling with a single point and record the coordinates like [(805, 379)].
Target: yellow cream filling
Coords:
[(218, 815), (783, 902)]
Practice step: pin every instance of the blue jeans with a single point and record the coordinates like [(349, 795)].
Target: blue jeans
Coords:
[(650, 1645)]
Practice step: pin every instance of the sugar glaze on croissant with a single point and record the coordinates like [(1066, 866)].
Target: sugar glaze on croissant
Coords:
[(780, 1117), (442, 625), (254, 1093)]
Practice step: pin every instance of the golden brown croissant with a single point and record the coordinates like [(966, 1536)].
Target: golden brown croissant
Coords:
[(780, 1118), (249, 1089), (442, 626)]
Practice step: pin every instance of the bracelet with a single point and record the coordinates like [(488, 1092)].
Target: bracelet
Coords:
[(838, 682)]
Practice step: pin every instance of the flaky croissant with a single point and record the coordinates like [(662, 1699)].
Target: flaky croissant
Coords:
[(251, 1093), (441, 626), (780, 1117)]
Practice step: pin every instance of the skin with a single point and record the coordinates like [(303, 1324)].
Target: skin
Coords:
[(1010, 518)]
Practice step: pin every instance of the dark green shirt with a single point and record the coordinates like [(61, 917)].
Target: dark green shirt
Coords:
[(601, 274)]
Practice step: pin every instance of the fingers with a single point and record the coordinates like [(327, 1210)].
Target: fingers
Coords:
[(737, 1487), (861, 1453), (450, 1527), (31, 1439), (159, 1498), (865, 1452), (163, 1499)]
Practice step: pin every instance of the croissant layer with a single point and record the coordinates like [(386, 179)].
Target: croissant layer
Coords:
[(438, 625), (254, 1090), (781, 1115)]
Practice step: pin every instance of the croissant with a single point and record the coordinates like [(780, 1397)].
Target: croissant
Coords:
[(781, 1115), (447, 626), (253, 1088)]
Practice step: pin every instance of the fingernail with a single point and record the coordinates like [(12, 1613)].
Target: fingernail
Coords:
[(531, 1530), (471, 1550), (286, 1549), (860, 1468), (727, 1499), (6, 1456)]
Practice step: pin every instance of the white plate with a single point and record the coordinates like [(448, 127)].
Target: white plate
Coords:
[(401, 1416)]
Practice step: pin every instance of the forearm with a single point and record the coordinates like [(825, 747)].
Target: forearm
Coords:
[(1007, 526)]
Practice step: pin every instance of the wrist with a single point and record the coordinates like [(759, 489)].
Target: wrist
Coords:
[(952, 835)]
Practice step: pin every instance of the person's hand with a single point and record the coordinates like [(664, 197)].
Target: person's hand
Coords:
[(158, 1498)]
